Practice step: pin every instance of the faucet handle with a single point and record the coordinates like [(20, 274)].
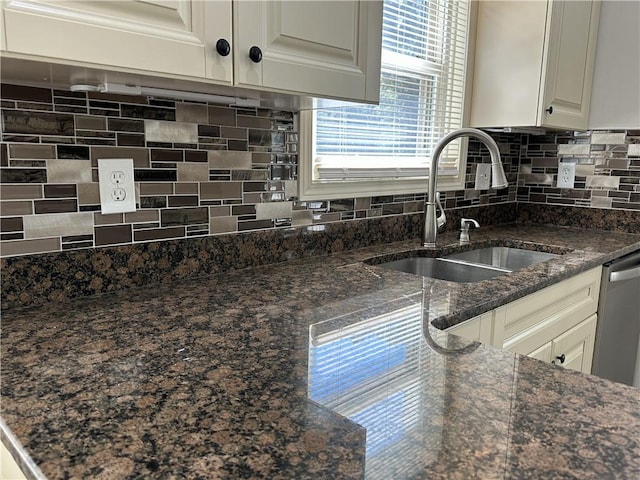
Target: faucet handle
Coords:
[(465, 223), (442, 218)]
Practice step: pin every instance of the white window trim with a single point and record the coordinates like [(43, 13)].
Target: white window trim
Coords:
[(308, 189)]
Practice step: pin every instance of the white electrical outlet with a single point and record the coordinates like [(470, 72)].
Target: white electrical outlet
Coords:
[(483, 176), (566, 174), (117, 188)]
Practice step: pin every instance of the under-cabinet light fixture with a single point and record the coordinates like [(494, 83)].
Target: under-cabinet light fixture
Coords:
[(122, 89)]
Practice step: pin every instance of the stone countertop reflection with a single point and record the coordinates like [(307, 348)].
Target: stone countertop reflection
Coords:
[(317, 368)]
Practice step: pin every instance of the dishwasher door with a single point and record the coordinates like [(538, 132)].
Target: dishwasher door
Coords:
[(617, 349)]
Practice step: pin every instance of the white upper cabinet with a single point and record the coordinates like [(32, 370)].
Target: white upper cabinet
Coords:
[(534, 63), (315, 48), (161, 36)]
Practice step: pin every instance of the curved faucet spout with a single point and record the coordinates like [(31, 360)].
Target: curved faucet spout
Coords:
[(499, 180)]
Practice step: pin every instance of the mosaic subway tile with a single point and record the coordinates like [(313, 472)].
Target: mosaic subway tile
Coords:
[(23, 175), (171, 132), (40, 123), (38, 226), (113, 235), (22, 247), (8, 209), (55, 206), (69, 171), (19, 192)]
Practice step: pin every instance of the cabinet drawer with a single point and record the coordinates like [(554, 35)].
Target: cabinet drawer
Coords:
[(477, 328), (526, 324)]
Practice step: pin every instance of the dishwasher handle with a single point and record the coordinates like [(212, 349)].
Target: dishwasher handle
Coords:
[(622, 275)]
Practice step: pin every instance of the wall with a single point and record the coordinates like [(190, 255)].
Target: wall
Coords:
[(200, 169)]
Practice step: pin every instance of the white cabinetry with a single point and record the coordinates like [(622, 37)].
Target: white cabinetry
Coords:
[(9, 469), (162, 36), (534, 63), (314, 47), (556, 324), (306, 47)]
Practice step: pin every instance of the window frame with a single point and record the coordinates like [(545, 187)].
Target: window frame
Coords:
[(310, 189)]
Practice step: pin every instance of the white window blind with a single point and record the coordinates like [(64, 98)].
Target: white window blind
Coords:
[(424, 50)]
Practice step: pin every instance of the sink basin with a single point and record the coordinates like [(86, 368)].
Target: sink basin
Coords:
[(465, 267), (443, 269), (503, 257)]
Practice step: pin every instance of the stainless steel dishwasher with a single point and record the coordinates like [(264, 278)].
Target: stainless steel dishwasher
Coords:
[(617, 350)]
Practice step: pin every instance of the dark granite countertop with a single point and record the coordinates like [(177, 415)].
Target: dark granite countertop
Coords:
[(318, 368)]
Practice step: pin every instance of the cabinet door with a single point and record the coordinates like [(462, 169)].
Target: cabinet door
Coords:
[(570, 55), (320, 48), (543, 353), (576, 345), (160, 36)]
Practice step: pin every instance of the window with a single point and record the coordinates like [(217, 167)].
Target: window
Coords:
[(354, 149)]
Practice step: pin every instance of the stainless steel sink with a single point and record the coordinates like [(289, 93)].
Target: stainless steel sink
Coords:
[(470, 266), (443, 269), (503, 257)]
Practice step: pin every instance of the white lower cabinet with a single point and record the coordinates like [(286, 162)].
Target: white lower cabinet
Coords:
[(556, 324), (9, 469)]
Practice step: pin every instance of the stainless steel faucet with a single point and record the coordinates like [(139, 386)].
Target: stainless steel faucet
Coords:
[(499, 180), (465, 223)]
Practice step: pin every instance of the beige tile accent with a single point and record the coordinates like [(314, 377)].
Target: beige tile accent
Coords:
[(608, 138), (224, 159), (634, 150), (140, 155), (142, 216), (111, 219), (574, 149), (223, 225), (266, 211), (186, 188), (22, 247), (88, 193), (363, 203), (161, 188), (32, 151), (20, 192), (601, 181), (601, 202), (63, 224), (69, 171), (193, 172), (302, 217), (173, 132), (191, 112), (219, 190), (585, 170), (223, 211), (9, 209), (290, 188), (254, 197)]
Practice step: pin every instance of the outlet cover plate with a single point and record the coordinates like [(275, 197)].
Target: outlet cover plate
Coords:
[(483, 176), (566, 174), (117, 187)]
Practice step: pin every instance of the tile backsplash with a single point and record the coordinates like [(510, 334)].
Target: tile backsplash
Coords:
[(205, 170), (200, 170)]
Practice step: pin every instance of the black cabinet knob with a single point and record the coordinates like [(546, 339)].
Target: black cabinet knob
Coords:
[(562, 358), (223, 48), (255, 54), (549, 110)]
